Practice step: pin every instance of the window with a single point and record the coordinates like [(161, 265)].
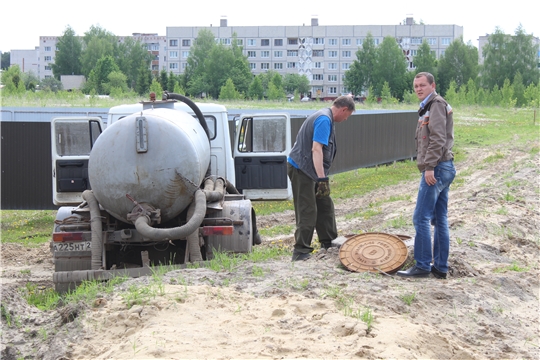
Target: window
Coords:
[(48, 76), (414, 52), (153, 47), (332, 78), (185, 54), (155, 67), (318, 53), (346, 54), (345, 66), (48, 58), (278, 54), (173, 54), (359, 42), (262, 136), (265, 54), (173, 42), (317, 77), (416, 40), (332, 90), (47, 67), (332, 66), (226, 41), (173, 66), (291, 65), (252, 66), (376, 41), (292, 52), (346, 42), (252, 42), (184, 66), (445, 41), (240, 42), (47, 48), (332, 41), (278, 42), (345, 90), (332, 54), (265, 66), (278, 66), (318, 41), (265, 42), (251, 54), (318, 65), (292, 41), (186, 42)]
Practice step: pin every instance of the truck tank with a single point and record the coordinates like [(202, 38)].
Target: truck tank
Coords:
[(159, 157)]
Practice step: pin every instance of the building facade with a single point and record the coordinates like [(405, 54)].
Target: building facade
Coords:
[(322, 53)]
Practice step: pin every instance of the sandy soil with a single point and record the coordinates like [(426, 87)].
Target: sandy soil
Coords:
[(313, 309)]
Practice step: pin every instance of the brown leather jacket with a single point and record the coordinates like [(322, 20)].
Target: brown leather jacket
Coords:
[(434, 133)]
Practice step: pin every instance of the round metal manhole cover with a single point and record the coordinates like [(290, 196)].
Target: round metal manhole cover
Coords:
[(373, 252)]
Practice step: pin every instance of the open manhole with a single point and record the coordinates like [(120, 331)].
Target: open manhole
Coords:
[(373, 252)]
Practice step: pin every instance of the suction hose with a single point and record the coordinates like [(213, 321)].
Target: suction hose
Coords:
[(142, 224), (96, 227)]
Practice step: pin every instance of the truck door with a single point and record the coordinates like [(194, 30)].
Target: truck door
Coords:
[(72, 140), (262, 144)]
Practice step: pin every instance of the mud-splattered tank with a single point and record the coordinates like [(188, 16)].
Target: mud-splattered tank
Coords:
[(159, 157)]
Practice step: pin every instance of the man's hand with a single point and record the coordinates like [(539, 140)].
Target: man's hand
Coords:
[(429, 177), (323, 187)]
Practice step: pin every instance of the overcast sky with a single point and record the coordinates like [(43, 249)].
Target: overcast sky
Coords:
[(22, 23)]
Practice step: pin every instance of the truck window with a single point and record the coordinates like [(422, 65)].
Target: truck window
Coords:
[(76, 137), (211, 123), (262, 134)]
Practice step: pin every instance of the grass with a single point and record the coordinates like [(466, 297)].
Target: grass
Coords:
[(27, 227)]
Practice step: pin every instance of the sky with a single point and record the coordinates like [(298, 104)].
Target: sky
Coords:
[(20, 28)]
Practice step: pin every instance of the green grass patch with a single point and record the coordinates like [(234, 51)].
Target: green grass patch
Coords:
[(276, 230), (27, 227)]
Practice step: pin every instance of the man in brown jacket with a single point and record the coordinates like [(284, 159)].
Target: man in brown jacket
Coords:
[(434, 141)]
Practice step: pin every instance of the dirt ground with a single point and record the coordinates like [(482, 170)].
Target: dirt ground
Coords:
[(488, 308)]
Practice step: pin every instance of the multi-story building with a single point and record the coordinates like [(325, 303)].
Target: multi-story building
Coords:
[(39, 60), (322, 53)]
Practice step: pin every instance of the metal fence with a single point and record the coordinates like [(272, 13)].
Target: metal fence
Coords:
[(366, 139)]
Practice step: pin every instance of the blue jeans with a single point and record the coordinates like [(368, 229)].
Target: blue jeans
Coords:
[(432, 209)]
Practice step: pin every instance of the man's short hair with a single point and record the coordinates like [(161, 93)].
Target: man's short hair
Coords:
[(345, 101), (430, 78)]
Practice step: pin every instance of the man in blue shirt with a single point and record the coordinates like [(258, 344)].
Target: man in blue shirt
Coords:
[(308, 167)]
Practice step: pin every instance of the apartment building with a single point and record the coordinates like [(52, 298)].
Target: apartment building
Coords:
[(40, 59), (322, 53)]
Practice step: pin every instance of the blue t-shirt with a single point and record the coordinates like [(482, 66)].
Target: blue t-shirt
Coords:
[(321, 133)]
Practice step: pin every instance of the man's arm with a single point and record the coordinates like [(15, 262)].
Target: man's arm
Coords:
[(317, 155)]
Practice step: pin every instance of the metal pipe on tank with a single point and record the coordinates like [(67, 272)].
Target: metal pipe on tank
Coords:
[(97, 230), (142, 224)]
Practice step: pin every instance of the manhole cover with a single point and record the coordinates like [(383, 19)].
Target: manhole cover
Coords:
[(373, 252)]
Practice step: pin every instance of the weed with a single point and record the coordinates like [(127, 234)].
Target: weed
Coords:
[(408, 298), (509, 197), (459, 240), (258, 271), (502, 211), (399, 222), (513, 267)]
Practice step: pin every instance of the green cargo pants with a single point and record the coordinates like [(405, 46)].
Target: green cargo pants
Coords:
[(311, 213)]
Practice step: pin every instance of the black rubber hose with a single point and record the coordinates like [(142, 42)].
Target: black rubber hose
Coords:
[(193, 106)]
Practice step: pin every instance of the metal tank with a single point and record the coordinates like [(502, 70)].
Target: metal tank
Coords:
[(158, 157)]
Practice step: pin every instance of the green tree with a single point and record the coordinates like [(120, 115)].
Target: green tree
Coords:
[(6, 59), (144, 79), (507, 93), (424, 60), (362, 70), (12, 78), (100, 74), (97, 43), (30, 80), (296, 82), (194, 75), (256, 90), (116, 80), (163, 79), (67, 60), (171, 82), (273, 93), (218, 66), (51, 84), (228, 91), (156, 88), (391, 67), (129, 56), (523, 56), (458, 63), (519, 90), (532, 96)]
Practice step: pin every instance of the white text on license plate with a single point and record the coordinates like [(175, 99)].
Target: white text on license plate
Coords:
[(73, 246)]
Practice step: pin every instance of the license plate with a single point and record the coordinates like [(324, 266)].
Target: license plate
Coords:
[(73, 246)]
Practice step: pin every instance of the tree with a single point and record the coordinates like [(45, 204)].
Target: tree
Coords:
[(12, 79), (51, 84), (30, 80), (6, 59), (523, 57), (295, 82), (424, 60), (218, 66), (228, 91), (99, 75), (256, 90), (116, 81), (163, 79), (360, 75), (194, 77), (144, 79), (67, 60), (171, 82), (129, 56), (459, 63), (391, 67), (98, 43)]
